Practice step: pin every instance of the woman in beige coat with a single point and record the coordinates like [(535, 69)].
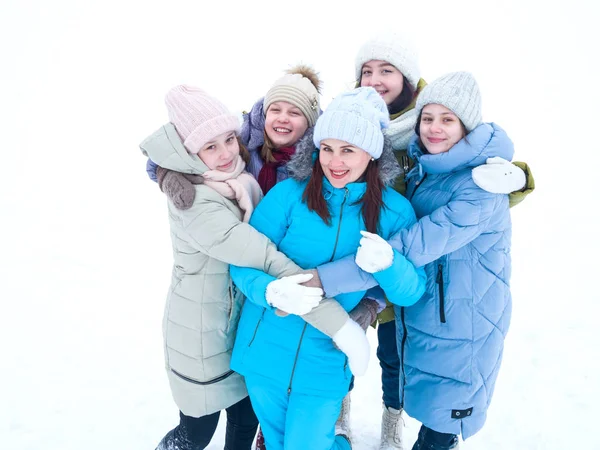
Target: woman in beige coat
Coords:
[(203, 305)]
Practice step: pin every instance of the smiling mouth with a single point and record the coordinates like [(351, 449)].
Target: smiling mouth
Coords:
[(338, 174), (435, 140), (382, 93), (226, 166), (282, 130)]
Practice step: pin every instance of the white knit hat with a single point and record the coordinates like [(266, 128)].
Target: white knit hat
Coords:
[(357, 117), (457, 91), (395, 48), (197, 116), (299, 87)]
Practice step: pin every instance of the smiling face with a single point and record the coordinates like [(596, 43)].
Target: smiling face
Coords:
[(221, 152), (342, 162), (285, 124), (384, 78), (439, 128)]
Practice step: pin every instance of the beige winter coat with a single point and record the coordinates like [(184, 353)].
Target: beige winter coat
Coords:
[(203, 305)]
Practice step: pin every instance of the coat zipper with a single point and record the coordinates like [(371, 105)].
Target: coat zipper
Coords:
[(440, 282), (337, 236), (203, 383)]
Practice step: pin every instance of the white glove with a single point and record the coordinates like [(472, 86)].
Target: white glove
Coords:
[(374, 253), (352, 340), (289, 296), (499, 176)]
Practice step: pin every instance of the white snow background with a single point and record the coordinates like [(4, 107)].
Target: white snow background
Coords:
[(85, 254)]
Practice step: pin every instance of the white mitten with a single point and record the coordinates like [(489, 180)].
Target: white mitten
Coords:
[(289, 296), (374, 253), (499, 176), (352, 340)]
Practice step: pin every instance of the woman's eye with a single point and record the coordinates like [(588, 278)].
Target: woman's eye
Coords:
[(211, 147), (366, 72), (230, 139)]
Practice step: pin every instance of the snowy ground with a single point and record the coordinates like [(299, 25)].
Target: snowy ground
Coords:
[(85, 254)]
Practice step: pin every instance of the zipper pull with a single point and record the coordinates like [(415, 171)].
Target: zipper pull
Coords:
[(440, 276)]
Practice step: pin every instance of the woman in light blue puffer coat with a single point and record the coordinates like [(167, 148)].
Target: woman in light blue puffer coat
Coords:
[(451, 341)]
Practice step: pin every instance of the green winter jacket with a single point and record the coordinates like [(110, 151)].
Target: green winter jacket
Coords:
[(203, 305)]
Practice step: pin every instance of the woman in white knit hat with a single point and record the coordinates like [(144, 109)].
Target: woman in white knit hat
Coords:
[(203, 305), (389, 63), (295, 375), (451, 340)]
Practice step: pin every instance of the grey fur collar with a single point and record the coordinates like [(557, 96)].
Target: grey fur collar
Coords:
[(301, 164)]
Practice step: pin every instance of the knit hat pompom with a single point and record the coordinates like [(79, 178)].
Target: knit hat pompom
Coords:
[(357, 117), (307, 72), (457, 91), (393, 47), (300, 86), (198, 117)]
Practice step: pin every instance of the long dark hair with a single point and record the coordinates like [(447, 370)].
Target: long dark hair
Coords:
[(403, 100), (418, 132), (372, 200)]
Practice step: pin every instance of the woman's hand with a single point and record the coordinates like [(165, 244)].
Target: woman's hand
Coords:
[(289, 296), (374, 253)]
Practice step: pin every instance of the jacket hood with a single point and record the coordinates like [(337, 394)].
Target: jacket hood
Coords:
[(165, 148), (485, 141), (253, 126), (301, 165)]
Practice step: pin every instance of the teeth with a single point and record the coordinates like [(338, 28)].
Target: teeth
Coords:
[(282, 130), (338, 174)]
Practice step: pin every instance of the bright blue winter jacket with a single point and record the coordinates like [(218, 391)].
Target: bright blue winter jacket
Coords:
[(450, 341), (286, 350)]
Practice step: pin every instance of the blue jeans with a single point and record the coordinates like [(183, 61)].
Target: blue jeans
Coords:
[(432, 440), (387, 353)]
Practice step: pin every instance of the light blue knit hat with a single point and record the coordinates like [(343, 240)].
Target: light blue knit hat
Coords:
[(457, 91), (357, 117)]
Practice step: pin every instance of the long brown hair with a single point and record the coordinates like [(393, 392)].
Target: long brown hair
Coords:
[(266, 152), (244, 153), (372, 200)]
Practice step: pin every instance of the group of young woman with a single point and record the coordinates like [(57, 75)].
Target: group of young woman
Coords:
[(389, 207)]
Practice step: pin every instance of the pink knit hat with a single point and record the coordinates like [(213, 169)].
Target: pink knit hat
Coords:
[(198, 117)]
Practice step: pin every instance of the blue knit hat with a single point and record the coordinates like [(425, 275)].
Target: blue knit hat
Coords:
[(357, 117)]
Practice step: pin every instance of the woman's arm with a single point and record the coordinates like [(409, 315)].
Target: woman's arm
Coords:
[(449, 227)]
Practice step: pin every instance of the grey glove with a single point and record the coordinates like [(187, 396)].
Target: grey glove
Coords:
[(179, 187), (365, 312)]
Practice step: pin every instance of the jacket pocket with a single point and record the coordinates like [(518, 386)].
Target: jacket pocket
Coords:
[(440, 283), (203, 383), (256, 328)]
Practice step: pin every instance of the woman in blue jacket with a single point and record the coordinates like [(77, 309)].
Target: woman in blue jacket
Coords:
[(295, 376), (451, 340)]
